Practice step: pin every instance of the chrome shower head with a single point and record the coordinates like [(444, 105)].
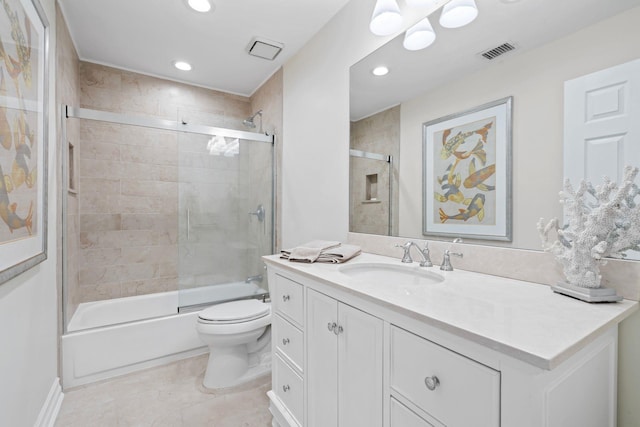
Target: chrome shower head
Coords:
[(249, 121)]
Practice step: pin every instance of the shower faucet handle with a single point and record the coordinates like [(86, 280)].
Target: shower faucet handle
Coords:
[(259, 213)]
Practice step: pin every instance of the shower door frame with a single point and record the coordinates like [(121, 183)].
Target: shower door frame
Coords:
[(69, 112)]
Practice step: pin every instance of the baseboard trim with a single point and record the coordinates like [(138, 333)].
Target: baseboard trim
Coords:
[(51, 408)]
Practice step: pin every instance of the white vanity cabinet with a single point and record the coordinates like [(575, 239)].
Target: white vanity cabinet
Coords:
[(344, 364), (350, 353), (287, 338)]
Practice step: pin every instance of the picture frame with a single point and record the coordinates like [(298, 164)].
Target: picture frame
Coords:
[(467, 173), (24, 86)]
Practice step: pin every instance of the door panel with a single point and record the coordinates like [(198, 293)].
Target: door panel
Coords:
[(359, 368), (602, 125), (322, 361)]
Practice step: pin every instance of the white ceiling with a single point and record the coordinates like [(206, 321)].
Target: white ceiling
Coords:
[(146, 36), (525, 23)]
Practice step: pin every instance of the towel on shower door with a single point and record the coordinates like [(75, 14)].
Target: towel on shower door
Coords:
[(308, 252)]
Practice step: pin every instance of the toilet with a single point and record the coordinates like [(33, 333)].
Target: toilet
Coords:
[(238, 335)]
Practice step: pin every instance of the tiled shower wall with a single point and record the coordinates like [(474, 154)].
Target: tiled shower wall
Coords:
[(128, 182), (128, 194), (379, 133)]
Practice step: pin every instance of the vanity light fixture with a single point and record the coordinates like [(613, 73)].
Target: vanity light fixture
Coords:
[(458, 13), (419, 36), (380, 71), (386, 18), (420, 3), (182, 66), (199, 5)]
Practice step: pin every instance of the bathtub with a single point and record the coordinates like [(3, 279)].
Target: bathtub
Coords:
[(108, 338)]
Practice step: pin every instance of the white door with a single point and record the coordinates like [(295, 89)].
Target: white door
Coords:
[(602, 125), (359, 368), (322, 360)]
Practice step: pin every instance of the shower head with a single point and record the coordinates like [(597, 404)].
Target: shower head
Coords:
[(249, 121)]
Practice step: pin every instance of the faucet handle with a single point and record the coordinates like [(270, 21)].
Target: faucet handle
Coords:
[(406, 257), (446, 261), (456, 254)]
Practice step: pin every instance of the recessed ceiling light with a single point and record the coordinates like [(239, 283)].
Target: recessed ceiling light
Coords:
[(182, 66), (199, 5), (380, 71)]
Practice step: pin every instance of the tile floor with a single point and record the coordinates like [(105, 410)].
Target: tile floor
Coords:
[(170, 395)]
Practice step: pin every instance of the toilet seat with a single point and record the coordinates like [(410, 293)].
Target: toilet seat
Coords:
[(234, 312)]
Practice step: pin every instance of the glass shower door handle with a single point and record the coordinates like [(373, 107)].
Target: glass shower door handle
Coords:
[(188, 223), (259, 213)]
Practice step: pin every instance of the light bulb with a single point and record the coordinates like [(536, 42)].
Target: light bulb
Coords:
[(458, 13), (380, 71), (199, 5), (182, 66), (419, 36)]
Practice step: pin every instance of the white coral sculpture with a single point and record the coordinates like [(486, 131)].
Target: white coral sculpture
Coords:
[(602, 222)]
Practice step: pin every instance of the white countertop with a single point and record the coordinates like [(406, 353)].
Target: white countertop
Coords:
[(524, 320)]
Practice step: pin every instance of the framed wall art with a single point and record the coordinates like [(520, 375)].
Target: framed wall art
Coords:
[(467, 173), (24, 42)]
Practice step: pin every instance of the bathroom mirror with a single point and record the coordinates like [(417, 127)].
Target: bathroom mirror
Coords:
[(549, 43)]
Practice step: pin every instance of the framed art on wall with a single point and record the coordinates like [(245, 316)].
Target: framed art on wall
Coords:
[(23, 136), (467, 173)]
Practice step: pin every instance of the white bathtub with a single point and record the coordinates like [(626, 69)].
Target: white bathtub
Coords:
[(114, 337)]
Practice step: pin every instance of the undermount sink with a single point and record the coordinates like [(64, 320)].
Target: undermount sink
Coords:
[(380, 273)]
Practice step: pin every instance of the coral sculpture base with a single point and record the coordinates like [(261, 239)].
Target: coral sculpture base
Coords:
[(587, 294)]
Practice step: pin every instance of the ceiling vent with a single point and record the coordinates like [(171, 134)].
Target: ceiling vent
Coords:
[(497, 51), (263, 48)]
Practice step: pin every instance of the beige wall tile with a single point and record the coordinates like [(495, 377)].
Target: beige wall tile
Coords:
[(100, 222)]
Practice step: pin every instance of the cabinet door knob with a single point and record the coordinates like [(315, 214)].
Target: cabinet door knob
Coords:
[(338, 330), (286, 388), (286, 298), (285, 341), (331, 326), (432, 382)]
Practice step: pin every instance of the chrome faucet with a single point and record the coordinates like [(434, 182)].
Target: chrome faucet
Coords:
[(446, 260), (424, 254)]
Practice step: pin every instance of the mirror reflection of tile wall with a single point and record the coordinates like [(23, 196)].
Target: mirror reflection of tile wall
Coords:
[(369, 212)]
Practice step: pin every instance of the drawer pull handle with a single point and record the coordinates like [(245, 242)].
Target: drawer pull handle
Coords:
[(286, 388), (338, 330), (286, 298), (332, 326), (285, 341), (432, 382)]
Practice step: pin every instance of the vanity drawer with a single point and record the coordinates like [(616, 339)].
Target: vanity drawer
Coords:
[(289, 340), (289, 299), (401, 416), (289, 388), (464, 392)]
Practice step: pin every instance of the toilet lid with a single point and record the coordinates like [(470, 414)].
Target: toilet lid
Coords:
[(235, 311)]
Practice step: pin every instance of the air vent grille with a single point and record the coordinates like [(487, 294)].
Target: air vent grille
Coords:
[(497, 51), (263, 48)]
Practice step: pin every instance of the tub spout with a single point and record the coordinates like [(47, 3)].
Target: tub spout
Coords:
[(256, 278)]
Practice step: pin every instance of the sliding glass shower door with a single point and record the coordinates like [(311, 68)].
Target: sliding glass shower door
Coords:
[(225, 217)]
